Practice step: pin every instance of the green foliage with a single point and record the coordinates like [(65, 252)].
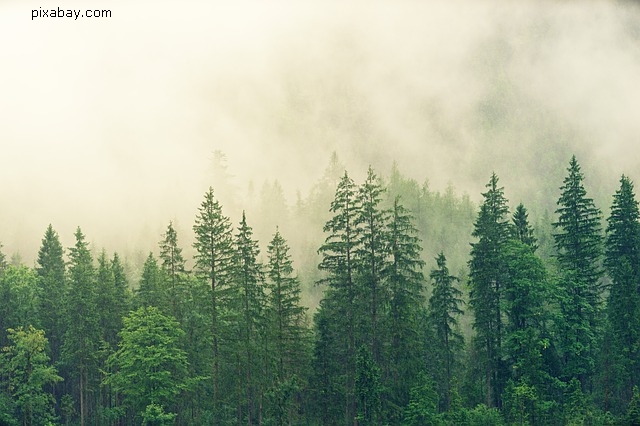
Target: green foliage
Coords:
[(487, 275), (422, 409), (214, 265), (149, 366), (368, 387), (19, 299), (632, 416), (405, 280), (52, 288), (26, 364), (173, 266), (154, 415), (622, 261), (578, 245), (444, 310)]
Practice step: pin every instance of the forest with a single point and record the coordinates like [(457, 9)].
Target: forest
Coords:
[(429, 311)]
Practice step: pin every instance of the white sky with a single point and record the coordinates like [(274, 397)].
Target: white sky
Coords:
[(110, 124)]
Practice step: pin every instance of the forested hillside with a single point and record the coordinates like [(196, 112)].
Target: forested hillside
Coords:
[(399, 305)]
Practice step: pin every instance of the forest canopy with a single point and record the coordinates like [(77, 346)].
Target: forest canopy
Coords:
[(399, 305)]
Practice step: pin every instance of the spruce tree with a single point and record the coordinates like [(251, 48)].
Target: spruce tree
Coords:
[(52, 287), (622, 262), (578, 246), (151, 288), (338, 309), (522, 230), (372, 257), (444, 310), (249, 282), (487, 278), (173, 266), (82, 337), (287, 329), (406, 288), (213, 264)]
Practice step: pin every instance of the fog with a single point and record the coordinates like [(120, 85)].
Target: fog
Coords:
[(113, 124)]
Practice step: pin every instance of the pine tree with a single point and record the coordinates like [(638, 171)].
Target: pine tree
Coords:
[(578, 245), (289, 335), (487, 278), (213, 264), (444, 310), (522, 231), (173, 266), (249, 281), (52, 285), (338, 308), (151, 288), (372, 257), (82, 337), (622, 262), (406, 287)]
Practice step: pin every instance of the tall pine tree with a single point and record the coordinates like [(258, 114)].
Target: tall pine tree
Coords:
[(578, 244), (82, 337), (487, 278), (213, 264), (622, 262)]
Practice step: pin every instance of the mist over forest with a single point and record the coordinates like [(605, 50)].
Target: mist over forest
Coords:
[(115, 130), (273, 112)]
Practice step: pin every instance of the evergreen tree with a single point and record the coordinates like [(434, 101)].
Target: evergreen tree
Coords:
[(406, 287), (173, 266), (372, 257), (249, 279), (622, 262), (522, 231), (339, 306), (213, 264), (444, 310), (578, 245), (288, 332), (487, 278), (151, 289), (82, 337), (52, 288)]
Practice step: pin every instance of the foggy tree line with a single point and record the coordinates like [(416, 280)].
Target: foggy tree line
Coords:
[(515, 336)]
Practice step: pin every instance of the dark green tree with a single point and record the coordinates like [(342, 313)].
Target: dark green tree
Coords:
[(82, 337), (405, 282), (173, 266), (336, 318), (522, 230), (151, 291), (214, 265), (249, 282), (622, 263), (52, 287), (444, 310), (26, 364), (368, 387), (487, 278), (371, 260), (288, 333), (579, 247)]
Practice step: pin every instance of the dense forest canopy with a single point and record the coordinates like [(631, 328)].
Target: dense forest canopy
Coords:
[(537, 323)]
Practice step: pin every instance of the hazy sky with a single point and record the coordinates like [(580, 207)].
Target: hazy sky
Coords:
[(111, 124)]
